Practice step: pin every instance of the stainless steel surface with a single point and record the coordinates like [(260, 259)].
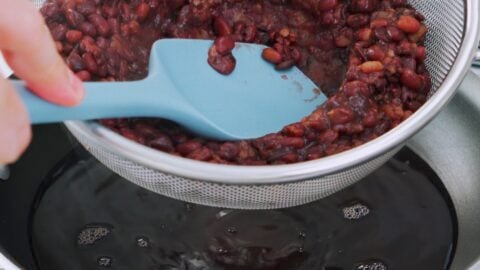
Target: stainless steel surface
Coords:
[(451, 145), (451, 44), (476, 61), (4, 172), (7, 263)]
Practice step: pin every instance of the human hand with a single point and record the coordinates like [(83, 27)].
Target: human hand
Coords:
[(30, 51)]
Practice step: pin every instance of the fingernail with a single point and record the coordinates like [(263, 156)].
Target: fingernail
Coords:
[(76, 86)]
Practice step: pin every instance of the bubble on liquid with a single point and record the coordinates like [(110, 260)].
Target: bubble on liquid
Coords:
[(376, 265), (222, 251), (232, 230), (195, 261), (189, 207), (223, 213), (356, 211), (104, 261), (143, 242), (92, 233)]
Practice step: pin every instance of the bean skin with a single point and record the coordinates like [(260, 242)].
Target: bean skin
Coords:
[(223, 64), (224, 45), (221, 27), (408, 24), (272, 56), (74, 36)]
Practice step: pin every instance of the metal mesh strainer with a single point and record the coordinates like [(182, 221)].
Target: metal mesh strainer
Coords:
[(451, 44)]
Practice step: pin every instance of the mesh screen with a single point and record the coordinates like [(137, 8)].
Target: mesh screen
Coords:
[(445, 20), (270, 196)]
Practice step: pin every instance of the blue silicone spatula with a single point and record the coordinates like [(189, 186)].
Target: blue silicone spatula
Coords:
[(253, 101)]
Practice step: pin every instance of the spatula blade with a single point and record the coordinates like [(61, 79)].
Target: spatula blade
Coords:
[(253, 101)]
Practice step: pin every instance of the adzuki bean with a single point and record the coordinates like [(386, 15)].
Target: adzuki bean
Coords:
[(366, 55)]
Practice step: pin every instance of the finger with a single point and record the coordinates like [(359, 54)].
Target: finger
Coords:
[(15, 133), (31, 52)]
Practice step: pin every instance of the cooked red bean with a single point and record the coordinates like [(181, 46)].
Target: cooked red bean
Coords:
[(410, 79), (421, 53), (221, 27), (395, 34), (340, 115), (381, 22), (419, 35), (90, 62), (356, 88), (74, 18), (132, 135), (201, 154), (188, 147), (224, 64), (408, 24), (228, 151), (371, 66), (285, 64), (50, 9), (142, 11), (84, 75), (364, 34), (375, 53), (344, 38), (224, 45), (294, 130), (86, 8), (75, 62), (58, 31), (100, 23), (366, 55), (363, 5), (272, 56), (327, 5), (74, 36), (358, 20), (88, 29), (245, 33)]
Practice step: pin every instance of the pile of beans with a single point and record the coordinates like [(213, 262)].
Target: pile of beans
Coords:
[(366, 55)]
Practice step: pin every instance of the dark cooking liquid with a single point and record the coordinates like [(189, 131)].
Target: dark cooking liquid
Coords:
[(89, 218)]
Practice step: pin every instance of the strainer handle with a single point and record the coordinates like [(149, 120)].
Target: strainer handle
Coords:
[(476, 59)]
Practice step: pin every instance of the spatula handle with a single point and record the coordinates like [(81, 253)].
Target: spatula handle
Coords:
[(102, 100)]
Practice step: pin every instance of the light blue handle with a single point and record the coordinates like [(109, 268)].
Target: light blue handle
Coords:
[(102, 100), (152, 97)]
